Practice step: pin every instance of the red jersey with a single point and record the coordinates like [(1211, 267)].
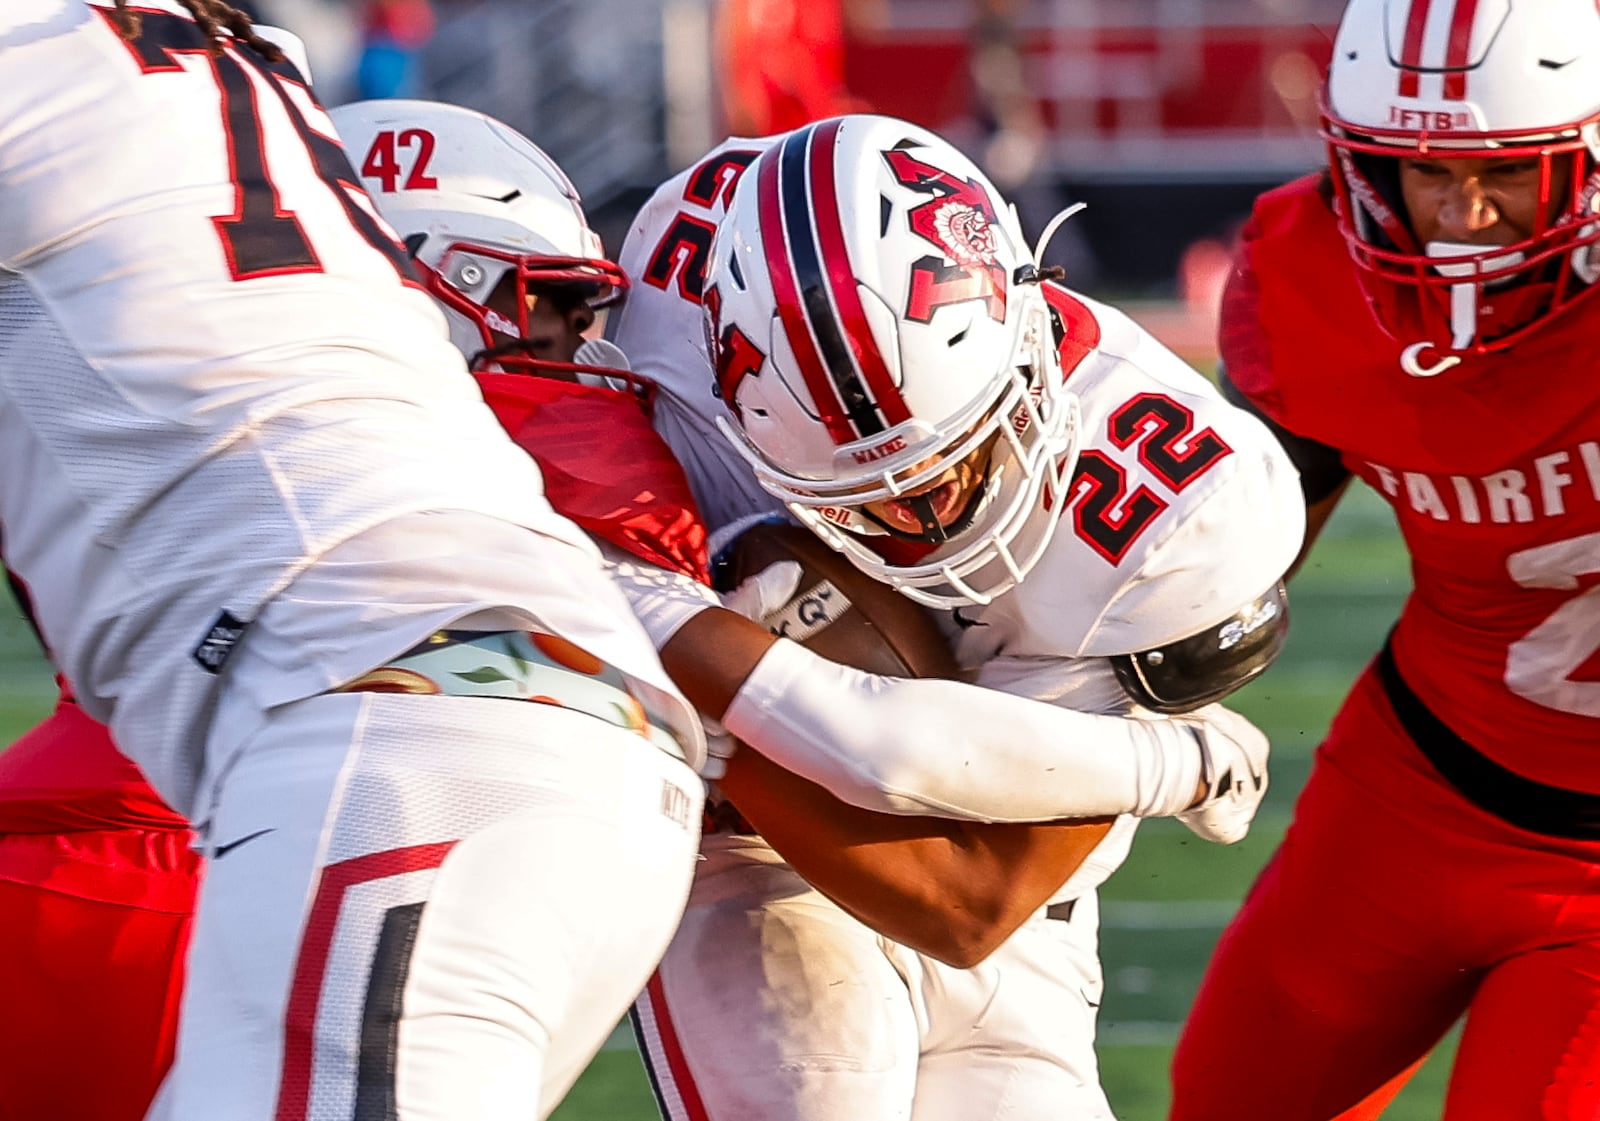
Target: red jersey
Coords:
[(65, 775), (1493, 471), (604, 467)]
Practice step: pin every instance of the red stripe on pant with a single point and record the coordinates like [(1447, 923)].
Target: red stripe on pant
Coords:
[(677, 1074), (305, 993)]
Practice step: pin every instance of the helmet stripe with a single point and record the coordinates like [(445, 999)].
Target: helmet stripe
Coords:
[(1411, 49), (801, 204), (1458, 53), (775, 241), (841, 280)]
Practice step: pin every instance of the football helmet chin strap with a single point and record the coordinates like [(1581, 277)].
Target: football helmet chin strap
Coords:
[(1449, 262), (1464, 296), (934, 531)]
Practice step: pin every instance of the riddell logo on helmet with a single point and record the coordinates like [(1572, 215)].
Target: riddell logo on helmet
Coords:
[(1431, 119), (1022, 419), (887, 448)]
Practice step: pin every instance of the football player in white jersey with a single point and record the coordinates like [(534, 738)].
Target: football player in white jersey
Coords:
[(252, 487), (499, 237), (540, 279), (1097, 527)]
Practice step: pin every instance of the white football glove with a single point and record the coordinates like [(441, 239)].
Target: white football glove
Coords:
[(767, 592), (1234, 769), (720, 746)]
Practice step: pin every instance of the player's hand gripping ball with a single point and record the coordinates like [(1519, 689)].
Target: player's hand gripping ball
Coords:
[(839, 612)]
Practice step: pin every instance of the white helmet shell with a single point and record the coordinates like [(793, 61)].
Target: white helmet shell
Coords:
[(1493, 66), (1491, 79), (473, 200), (876, 318)]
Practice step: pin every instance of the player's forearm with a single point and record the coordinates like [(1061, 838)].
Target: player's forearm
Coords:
[(908, 747), (711, 656), (952, 890), (954, 750)]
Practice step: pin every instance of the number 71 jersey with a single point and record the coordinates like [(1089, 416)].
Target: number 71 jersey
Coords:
[(215, 362), (231, 196)]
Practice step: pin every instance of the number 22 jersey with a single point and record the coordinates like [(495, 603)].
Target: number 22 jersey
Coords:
[(1181, 508)]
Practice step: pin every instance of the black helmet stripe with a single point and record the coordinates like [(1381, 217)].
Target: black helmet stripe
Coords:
[(854, 400)]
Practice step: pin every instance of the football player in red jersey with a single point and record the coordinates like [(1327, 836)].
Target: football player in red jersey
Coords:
[(97, 887), (1420, 316)]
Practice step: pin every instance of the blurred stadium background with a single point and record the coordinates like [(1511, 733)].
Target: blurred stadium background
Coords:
[(1165, 116)]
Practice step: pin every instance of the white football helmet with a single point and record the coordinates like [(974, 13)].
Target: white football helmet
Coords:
[(876, 319), (1499, 79), (475, 203)]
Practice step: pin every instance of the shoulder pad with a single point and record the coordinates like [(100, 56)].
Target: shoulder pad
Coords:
[(1207, 666)]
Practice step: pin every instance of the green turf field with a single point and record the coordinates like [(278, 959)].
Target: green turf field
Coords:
[(1163, 910)]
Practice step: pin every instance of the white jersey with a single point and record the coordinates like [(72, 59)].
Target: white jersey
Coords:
[(659, 328), (1182, 508), (215, 370)]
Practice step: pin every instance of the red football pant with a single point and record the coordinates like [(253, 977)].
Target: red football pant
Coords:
[(1392, 907), (93, 927)]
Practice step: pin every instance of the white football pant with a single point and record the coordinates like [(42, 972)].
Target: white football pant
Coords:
[(772, 1004), (423, 908)]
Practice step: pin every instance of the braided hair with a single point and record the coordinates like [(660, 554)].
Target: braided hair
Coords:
[(214, 17)]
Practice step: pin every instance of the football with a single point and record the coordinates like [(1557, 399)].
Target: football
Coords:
[(838, 611)]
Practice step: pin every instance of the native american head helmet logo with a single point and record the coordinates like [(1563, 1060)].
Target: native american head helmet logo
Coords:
[(965, 232), (960, 221)]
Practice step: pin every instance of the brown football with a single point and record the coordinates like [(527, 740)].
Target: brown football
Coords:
[(838, 611)]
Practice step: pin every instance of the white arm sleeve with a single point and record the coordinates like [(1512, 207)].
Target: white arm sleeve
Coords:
[(947, 749)]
